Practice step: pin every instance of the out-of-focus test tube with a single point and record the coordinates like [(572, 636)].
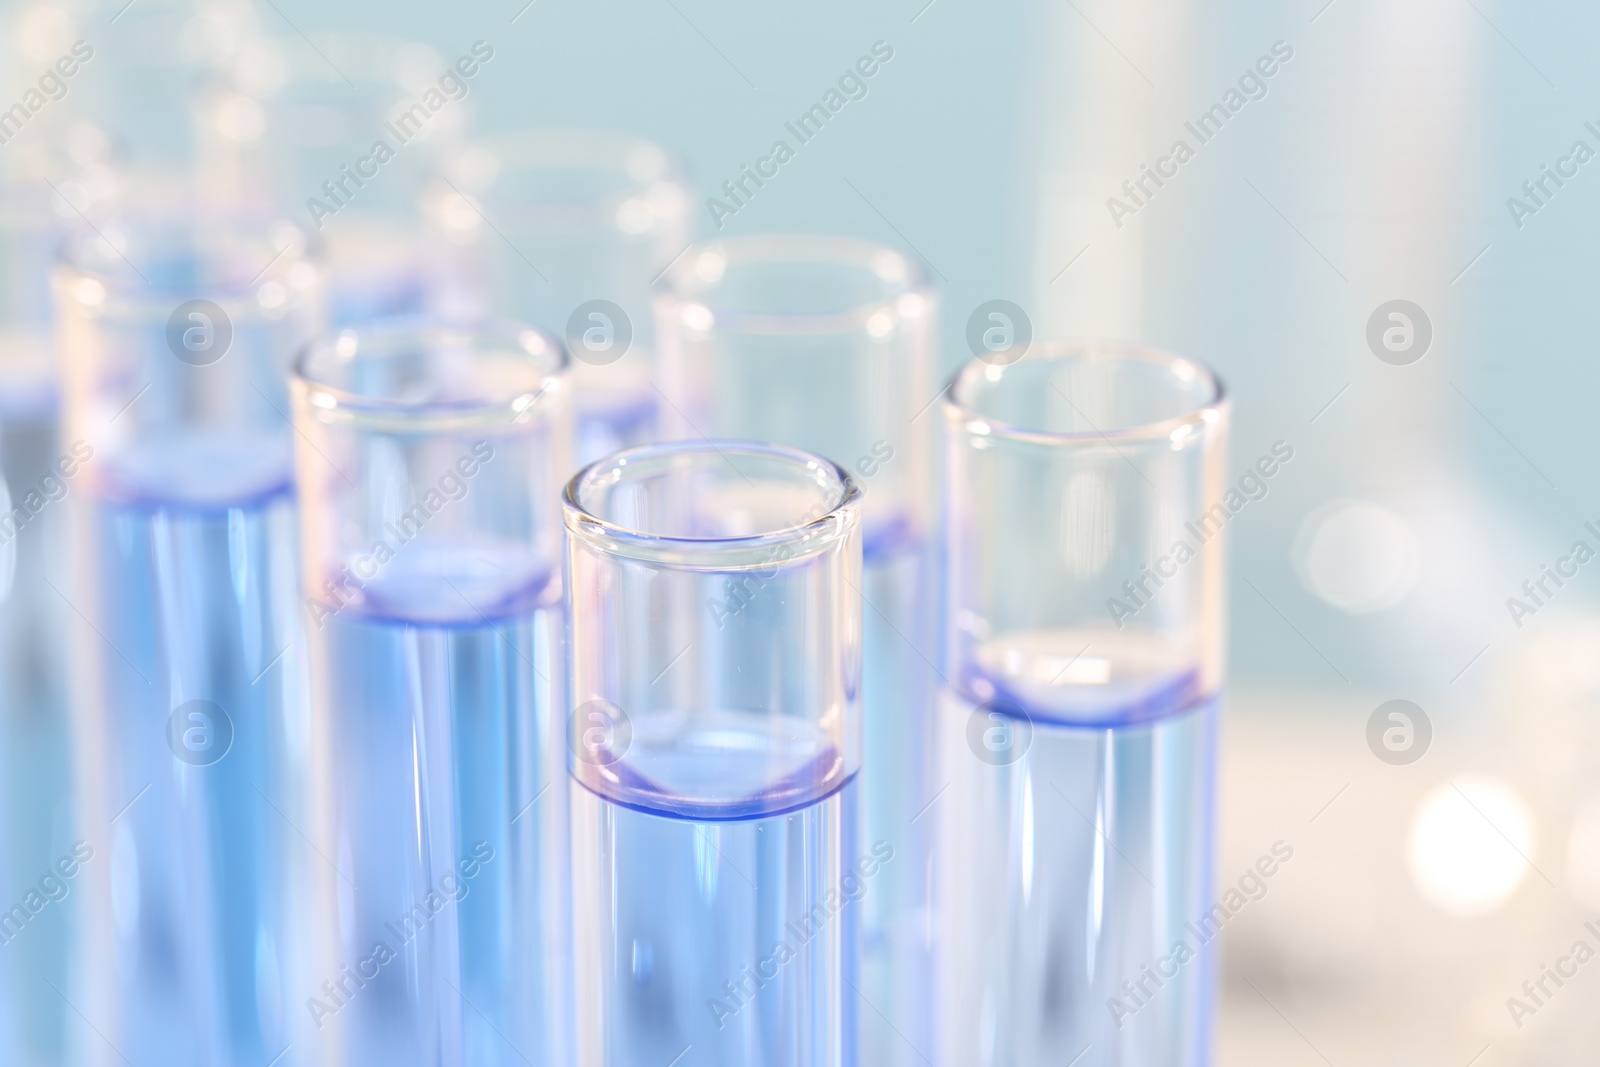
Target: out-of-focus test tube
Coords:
[(431, 459), (140, 70), (53, 165), (1084, 654), (826, 344), (566, 229), (31, 228), (8, 549), (36, 818), (344, 135), (718, 866), (175, 336)]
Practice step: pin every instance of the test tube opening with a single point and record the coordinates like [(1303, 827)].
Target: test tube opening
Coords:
[(710, 499), (1084, 663), (1100, 391), (743, 557), (418, 373), (824, 343), (553, 182), (796, 284), (1085, 565), (176, 332), (430, 456)]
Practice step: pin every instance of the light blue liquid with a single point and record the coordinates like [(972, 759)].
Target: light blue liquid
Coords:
[(720, 932), (897, 697), (452, 825), (1066, 872), (37, 825), (202, 932)]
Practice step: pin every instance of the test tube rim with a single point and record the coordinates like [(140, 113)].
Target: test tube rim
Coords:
[(125, 290), (676, 285), (840, 521), (391, 415), (568, 147), (959, 411)]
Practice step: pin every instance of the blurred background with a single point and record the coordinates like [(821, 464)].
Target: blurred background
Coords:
[(1367, 242)]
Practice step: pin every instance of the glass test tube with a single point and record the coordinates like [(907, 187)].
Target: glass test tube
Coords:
[(1084, 645), (431, 458), (302, 127), (826, 344), (36, 811), (717, 862), (175, 337), (145, 73), (566, 229)]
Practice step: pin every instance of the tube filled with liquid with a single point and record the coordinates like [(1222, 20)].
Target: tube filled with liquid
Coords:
[(37, 817), (1085, 519), (718, 866), (430, 463), (186, 655), (826, 344)]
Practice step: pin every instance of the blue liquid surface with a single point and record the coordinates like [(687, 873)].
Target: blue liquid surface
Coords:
[(1072, 857), (718, 884), (449, 807), (195, 930)]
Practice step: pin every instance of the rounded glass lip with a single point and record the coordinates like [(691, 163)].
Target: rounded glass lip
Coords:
[(345, 346), (957, 403), (682, 284), (839, 520), (575, 148), (121, 277)]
